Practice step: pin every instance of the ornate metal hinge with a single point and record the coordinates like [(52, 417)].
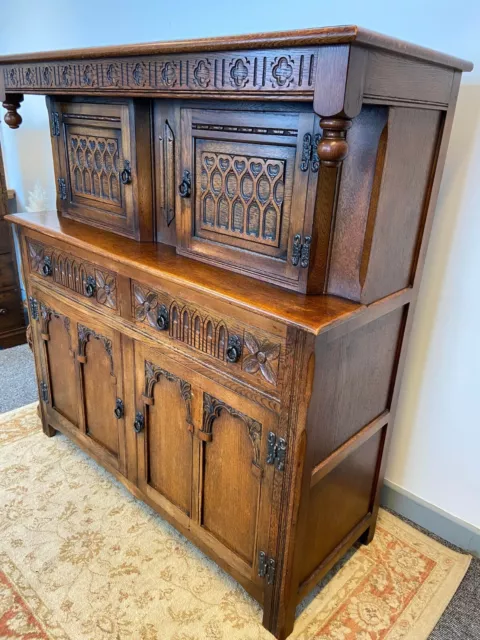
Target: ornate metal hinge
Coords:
[(33, 304), (44, 391), (301, 251), (266, 567), (62, 188), (309, 152), (55, 124), (276, 451)]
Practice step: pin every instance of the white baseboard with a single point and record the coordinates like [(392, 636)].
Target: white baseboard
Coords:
[(443, 524)]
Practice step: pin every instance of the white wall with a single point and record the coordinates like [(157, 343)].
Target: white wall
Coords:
[(435, 450)]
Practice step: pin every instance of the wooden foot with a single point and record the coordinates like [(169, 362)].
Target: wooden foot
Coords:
[(368, 535), (282, 625), (49, 431)]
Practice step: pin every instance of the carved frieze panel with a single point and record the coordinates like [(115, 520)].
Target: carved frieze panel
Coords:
[(74, 273), (259, 356), (267, 71)]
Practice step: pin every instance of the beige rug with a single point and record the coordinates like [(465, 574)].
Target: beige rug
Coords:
[(80, 559)]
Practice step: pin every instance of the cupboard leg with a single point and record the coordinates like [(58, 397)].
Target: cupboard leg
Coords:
[(367, 536), (48, 430), (281, 626)]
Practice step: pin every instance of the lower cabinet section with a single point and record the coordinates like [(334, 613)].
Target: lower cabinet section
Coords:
[(202, 452)]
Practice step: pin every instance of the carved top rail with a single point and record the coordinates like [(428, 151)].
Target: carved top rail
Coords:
[(268, 65), (299, 38)]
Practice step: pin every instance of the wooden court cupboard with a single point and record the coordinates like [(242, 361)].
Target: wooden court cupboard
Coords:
[(221, 303)]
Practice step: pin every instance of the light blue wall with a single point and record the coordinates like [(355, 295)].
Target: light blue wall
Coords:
[(434, 454)]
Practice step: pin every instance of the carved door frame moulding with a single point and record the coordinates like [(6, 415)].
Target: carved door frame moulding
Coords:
[(153, 374), (212, 408), (84, 335)]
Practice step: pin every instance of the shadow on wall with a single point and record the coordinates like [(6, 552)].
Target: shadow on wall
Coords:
[(438, 339)]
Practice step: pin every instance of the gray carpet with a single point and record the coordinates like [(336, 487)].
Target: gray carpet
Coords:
[(461, 620), (18, 386)]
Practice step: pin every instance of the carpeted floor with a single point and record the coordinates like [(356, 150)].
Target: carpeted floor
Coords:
[(17, 378), (461, 619)]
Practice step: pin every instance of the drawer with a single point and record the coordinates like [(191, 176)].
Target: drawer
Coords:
[(66, 271), (11, 310), (8, 277), (103, 164), (230, 345)]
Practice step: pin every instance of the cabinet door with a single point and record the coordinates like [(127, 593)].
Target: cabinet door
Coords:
[(99, 354), (235, 481), (82, 377), (165, 400), (55, 335), (103, 165), (245, 177)]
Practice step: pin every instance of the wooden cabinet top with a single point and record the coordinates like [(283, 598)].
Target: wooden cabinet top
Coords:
[(298, 65), (318, 36), (310, 313)]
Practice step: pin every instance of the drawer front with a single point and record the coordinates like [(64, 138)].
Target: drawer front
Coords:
[(11, 310), (8, 276), (248, 177), (241, 350), (88, 281)]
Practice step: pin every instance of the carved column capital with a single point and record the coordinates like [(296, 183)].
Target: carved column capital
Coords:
[(333, 147), (12, 103)]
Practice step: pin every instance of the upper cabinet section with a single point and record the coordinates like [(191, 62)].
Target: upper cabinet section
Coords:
[(103, 164), (243, 189), (306, 159)]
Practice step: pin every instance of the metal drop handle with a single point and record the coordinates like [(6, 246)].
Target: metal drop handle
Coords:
[(126, 174), (139, 423), (185, 187)]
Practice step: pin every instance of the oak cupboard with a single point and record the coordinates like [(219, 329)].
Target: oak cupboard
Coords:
[(13, 319), (221, 304)]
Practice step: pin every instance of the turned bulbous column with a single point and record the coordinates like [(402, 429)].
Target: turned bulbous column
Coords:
[(12, 103), (333, 147)]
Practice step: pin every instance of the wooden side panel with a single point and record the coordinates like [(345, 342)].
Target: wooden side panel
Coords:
[(338, 503), (387, 264), (383, 195), (360, 166), (61, 368), (353, 380), (231, 486)]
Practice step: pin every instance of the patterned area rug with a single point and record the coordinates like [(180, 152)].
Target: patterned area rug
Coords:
[(80, 559)]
